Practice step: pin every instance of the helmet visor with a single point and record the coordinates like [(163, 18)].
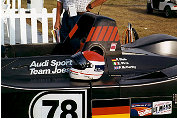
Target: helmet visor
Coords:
[(79, 61)]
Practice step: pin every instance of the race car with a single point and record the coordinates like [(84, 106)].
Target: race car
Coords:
[(98, 78)]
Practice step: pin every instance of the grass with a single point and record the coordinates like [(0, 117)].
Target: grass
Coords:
[(128, 11)]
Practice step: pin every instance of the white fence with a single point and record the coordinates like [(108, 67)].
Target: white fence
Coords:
[(13, 4), (16, 4), (11, 17)]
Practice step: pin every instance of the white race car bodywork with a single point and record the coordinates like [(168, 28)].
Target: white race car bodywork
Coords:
[(164, 3)]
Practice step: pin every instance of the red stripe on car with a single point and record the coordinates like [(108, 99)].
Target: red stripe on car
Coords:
[(102, 34), (108, 34), (96, 33), (85, 73), (73, 31), (117, 36), (113, 34), (90, 34)]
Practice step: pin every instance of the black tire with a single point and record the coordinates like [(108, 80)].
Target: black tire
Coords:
[(149, 8), (97, 50), (168, 12)]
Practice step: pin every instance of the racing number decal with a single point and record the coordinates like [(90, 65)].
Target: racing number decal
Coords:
[(66, 111), (63, 104), (53, 103)]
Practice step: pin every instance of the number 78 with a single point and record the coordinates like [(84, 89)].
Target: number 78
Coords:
[(65, 111)]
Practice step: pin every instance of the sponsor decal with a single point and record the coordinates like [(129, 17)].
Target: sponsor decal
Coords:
[(116, 63), (114, 60), (141, 109), (113, 47), (59, 104), (50, 67), (119, 59), (123, 64), (111, 108), (117, 67), (162, 107), (120, 63)]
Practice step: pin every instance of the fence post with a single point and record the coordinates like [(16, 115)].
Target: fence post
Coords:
[(34, 26), (19, 4), (2, 32), (2, 28), (8, 2), (44, 25), (54, 20), (12, 26), (13, 4), (23, 26)]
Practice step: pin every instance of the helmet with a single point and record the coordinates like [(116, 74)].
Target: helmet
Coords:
[(87, 65)]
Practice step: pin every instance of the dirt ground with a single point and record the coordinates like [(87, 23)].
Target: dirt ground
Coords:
[(131, 11), (134, 12)]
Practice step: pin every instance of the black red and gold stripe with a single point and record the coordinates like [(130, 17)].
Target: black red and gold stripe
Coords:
[(115, 108)]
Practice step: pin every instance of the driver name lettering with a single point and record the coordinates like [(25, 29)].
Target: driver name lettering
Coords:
[(122, 63), (50, 67)]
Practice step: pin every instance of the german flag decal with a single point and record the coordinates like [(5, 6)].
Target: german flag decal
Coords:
[(111, 108)]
